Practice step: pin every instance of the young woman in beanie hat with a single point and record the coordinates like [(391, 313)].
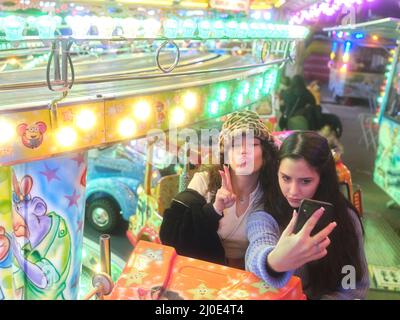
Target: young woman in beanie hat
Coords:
[(211, 224)]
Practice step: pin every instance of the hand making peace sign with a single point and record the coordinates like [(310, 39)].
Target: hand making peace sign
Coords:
[(225, 198)]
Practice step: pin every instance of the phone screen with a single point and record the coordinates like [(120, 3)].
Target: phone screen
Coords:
[(307, 209)]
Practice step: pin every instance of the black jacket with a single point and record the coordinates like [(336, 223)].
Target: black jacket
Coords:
[(190, 225)]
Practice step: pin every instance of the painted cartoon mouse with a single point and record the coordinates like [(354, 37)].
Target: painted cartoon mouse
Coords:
[(32, 135), (42, 245)]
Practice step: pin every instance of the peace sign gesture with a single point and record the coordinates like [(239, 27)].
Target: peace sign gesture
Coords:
[(225, 198), (294, 250)]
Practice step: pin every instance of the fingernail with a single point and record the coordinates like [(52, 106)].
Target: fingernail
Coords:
[(322, 209)]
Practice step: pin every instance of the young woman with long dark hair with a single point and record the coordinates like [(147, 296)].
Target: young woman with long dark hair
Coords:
[(326, 261), (208, 220)]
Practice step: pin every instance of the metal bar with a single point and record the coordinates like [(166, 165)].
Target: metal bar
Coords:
[(153, 76), (115, 39), (105, 254)]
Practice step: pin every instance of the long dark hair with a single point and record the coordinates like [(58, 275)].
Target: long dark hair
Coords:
[(324, 275), (268, 178), (298, 85)]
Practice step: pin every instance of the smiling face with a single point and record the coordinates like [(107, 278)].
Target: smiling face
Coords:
[(297, 180), (245, 156)]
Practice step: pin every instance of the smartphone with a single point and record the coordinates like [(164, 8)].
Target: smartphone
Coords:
[(307, 209)]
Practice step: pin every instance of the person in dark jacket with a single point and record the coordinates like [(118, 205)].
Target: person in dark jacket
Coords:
[(298, 102), (208, 220)]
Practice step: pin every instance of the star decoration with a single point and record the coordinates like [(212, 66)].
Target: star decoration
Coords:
[(68, 115), (73, 199), (50, 174), (263, 287), (79, 158), (155, 255), (202, 292), (136, 278)]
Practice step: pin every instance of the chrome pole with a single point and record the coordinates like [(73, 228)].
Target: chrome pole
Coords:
[(105, 254)]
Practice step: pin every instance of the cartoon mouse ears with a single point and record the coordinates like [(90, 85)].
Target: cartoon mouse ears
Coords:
[(22, 190)]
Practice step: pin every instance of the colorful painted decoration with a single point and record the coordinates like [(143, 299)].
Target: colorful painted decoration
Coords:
[(47, 215)]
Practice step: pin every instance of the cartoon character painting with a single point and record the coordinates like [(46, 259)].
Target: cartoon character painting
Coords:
[(42, 246), (32, 135), (5, 254)]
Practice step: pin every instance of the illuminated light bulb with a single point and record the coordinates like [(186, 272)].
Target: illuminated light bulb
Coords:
[(190, 100), (375, 38), (178, 116), (205, 29), (142, 110), (13, 27), (7, 132), (46, 26), (127, 128), (171, 28), (346, 58), (231, 29), (246, 88), (79, 25), (214, 107), (188, 28), (151, 28), (66, 137), (12, 61), (240, 100), (333, 55), (130, 26), (243, 30), (105, 26), (98, 268), (343, 68), (222, 95), (85, 120), (219, 30)]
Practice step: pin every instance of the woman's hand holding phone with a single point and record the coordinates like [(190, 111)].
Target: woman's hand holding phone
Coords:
[(225, 198), (293, 250)]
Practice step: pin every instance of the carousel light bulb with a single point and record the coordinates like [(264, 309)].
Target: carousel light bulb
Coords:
[(66, 137), (13, 27), (171, 28), (222, 94), (214, 107), (46, 26), (218, 29), (178, 116), (7, 132), (246, 88), (151, 28), (188, 28), (204, 29), (127, 128), (142, 110), (86, 120), (190, 100), (105, 26), (130, 26)]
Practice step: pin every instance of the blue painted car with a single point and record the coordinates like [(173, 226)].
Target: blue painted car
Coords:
[(113, 177)]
